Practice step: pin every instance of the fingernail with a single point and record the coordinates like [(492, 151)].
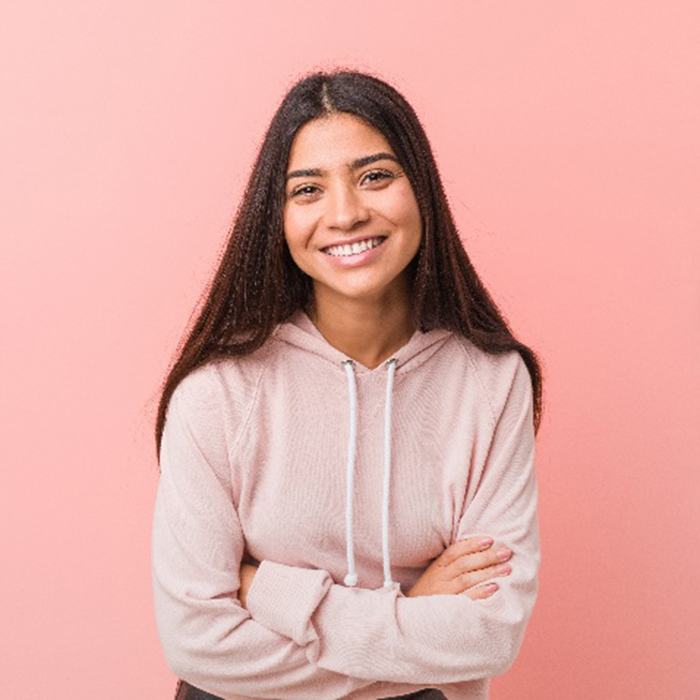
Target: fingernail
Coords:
[(486, 542)]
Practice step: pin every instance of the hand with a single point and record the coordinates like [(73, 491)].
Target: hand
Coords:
[(460, 567), (247, 575)]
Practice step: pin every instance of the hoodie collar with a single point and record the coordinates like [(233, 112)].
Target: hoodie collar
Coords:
[(300, 331)]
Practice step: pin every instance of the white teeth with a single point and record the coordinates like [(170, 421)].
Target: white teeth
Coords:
[(355, 248)]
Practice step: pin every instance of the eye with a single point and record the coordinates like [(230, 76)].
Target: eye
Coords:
[(382, 175), (303, 188), (373, 176)]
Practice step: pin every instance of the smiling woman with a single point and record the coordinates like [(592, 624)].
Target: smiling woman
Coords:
[(347, 436), (347, 213)]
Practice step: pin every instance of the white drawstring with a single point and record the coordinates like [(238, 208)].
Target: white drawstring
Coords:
[(351, 576), (388, 583)]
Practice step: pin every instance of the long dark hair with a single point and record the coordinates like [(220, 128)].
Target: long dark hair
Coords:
[(257, 284)]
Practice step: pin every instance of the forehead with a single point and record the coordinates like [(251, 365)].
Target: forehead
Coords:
[(335, 140)]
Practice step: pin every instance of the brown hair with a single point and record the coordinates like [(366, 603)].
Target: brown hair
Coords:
[(257, 284)]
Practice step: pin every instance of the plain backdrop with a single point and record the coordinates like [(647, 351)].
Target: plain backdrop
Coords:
[(568, 138)]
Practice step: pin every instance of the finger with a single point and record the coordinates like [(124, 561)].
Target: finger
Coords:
[(471, 578), (482, 591), (459, 576), (470, 545), (472, 560), (478, 561)]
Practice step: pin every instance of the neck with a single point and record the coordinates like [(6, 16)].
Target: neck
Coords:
[(368, 332)]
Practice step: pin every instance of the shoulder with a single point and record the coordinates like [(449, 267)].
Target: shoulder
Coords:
[(221, 391), (502, 377)]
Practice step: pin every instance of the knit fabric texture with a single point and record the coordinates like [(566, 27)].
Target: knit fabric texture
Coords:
[(344, 483)]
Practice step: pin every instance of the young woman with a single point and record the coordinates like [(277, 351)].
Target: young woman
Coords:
[(346, 440)]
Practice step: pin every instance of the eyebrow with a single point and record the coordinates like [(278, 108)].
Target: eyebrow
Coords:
[(354, 165)]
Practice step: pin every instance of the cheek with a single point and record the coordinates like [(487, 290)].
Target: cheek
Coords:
[(294, 230), (404, 212)]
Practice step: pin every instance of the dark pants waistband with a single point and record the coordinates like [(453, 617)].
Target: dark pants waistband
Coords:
[(185, 691)]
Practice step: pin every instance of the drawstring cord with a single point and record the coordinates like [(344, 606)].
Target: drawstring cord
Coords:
[(351, 576), (388, 583)]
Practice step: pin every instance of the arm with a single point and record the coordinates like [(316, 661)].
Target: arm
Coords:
[(208, 638), (440, 638)]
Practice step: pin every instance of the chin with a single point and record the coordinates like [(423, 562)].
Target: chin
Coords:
[(369, 292)]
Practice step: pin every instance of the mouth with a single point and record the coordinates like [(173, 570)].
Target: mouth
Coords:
[(358, 248)]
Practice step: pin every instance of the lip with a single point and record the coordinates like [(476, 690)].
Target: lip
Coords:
[(347, 261), (350, 241)]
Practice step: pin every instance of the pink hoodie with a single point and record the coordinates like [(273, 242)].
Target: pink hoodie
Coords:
[(344, 482)]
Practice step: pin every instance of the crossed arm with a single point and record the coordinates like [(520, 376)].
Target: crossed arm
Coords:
[(299, 634)]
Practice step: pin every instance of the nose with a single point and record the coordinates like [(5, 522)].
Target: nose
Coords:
[(344, 207)]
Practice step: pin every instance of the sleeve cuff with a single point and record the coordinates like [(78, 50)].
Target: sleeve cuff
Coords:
[(283, 598)]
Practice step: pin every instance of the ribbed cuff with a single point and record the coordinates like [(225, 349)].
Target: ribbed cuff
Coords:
[(283, 598)]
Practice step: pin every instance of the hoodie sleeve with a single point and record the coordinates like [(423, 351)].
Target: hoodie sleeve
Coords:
[(438, 638), (197, 545)]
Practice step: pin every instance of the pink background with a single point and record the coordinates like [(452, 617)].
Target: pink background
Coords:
[(568, 137)]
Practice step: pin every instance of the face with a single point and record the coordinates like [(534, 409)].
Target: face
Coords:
[(344, 184)]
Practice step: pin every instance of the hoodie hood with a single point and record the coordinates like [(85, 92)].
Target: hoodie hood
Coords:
[(300, 331)]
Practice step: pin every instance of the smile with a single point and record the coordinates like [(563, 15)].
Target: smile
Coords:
[(343, 251), (356, 255)]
